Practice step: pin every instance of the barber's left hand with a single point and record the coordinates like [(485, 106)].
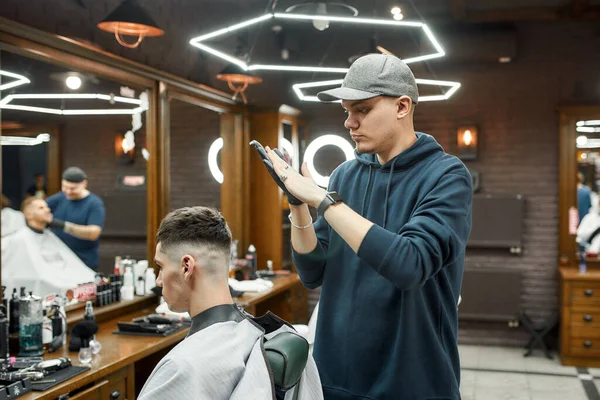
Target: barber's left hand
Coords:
[(303, 187)]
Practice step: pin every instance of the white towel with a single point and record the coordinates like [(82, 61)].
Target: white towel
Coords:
[(256, 285)]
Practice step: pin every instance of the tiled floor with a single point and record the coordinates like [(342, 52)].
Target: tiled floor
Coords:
[(498, 373)]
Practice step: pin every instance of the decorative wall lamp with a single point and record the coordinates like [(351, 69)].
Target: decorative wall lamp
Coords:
[(129, 19), (124, 149), (467, 143)]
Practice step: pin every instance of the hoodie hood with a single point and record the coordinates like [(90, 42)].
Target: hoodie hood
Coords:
[(423, 147)]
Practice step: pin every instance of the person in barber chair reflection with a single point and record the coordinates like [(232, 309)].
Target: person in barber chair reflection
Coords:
[(78, 216), (588, 232), (35, 258)]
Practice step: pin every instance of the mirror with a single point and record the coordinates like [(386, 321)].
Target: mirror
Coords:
[(196, 144), (54, 117), (588, 184)]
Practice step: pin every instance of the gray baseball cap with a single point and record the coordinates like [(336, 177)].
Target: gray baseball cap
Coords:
[(375, 75)]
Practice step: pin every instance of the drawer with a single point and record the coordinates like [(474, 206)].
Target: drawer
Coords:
[(121, 384), (587, 319), (96, 392), (585, 347), (577, 332), (585, 294)]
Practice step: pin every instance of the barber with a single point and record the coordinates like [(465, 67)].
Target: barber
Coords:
[(78, 216)]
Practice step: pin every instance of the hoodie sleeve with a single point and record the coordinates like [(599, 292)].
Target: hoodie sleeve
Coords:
[(311, 266), (435, 236)]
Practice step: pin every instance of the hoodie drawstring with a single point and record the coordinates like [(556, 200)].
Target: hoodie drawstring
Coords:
[(366, 191), (387, 194)]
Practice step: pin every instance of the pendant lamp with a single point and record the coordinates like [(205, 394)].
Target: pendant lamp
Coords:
[(238, 79), (129, 19)]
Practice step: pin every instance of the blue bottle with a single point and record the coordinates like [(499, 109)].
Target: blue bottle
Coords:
[(582, 263)]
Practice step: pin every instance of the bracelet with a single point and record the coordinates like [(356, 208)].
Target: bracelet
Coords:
[(299, 227)]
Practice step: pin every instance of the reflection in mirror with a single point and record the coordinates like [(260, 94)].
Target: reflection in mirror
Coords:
[(73, 177), (286, 147), (588, 183), (193, 130)]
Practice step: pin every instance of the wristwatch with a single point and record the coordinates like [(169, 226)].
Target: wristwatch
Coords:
[(330, 198)]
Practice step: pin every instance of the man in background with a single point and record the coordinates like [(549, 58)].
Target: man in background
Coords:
[(584, 199), (38, 188), (78, 216)]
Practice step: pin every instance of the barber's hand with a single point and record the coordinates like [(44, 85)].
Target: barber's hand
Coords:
[(303, 187), (57, 224)]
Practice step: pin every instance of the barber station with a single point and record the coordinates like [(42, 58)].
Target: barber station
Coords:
[(299, 200)]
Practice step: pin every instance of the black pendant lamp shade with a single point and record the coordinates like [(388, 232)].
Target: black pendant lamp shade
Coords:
[(129, 19)]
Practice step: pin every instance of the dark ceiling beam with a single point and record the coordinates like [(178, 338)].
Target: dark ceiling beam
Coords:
[(578, 7), (581, 11)]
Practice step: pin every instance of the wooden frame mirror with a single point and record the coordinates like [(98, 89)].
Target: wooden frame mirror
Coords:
[(569, 116)]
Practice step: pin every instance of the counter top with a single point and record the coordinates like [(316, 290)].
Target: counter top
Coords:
[(572, 273), (117, 352)]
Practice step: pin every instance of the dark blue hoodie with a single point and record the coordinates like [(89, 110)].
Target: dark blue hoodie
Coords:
[(387, 324)]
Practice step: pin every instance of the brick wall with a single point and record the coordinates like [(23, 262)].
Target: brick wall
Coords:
[(514, 106), (193, 130)]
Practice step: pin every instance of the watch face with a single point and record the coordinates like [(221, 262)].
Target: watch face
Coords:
[(335, 197)]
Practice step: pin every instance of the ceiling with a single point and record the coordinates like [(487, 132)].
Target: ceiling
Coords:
[(185, 19)]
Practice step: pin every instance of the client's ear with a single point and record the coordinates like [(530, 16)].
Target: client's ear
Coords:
[(188, 264)]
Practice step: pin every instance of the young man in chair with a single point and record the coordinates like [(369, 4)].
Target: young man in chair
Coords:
[(223, 356)]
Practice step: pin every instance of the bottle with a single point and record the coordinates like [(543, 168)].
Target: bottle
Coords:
[(14, 312), (46, 331), (140, 287), (150, 281), (5, 301), (88, 315), (31, 319), (4, 349), (117, 269), (582, 261), (57, 321), (93, 344), (85, 352), (251, 258), (128, 277)]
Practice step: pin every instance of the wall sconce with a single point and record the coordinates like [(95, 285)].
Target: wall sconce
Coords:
[(124, 151), (467, 143)]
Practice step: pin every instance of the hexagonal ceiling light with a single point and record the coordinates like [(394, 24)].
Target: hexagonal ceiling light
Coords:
[(454, 86), (19, 80), (199, 40), (6, 103)]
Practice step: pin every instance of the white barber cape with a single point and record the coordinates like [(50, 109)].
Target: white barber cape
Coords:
[(41, 262), (587, 226), (12, 221), (221, 359)]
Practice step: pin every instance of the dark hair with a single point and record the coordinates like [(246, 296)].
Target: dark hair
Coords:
[(195, 226)]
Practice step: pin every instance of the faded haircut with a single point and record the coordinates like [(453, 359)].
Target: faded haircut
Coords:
[(200, 231)]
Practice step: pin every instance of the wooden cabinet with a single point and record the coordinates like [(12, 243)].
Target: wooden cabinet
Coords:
[(121, 384), (580, 318)]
